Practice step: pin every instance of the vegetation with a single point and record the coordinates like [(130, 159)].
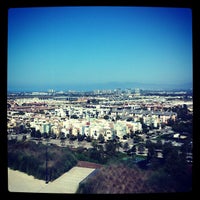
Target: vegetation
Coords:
[(119, 178), (184, 122), (151, 174), (122, 172), (98, 153), (30, 158)]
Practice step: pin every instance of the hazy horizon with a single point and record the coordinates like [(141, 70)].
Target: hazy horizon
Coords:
[(108, 86), (83, 48)]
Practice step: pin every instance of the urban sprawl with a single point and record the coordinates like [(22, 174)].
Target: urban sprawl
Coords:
[(132, 116)]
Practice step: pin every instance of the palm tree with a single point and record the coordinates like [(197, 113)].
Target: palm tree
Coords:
[(126, 146), (141, 148)]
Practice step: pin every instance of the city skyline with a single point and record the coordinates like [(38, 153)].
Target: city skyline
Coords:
[(88, 47)]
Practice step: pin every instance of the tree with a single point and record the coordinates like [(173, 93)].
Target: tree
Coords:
[(176, 166), (145, 128), (95, 154), (94, 144), (132, 151), (131, 134), (158, 144), (74, 117), (62, 135), (118, 117), (41, 112), (38, 134), (148, 143), (21, 113), (101, 138), (33, 132), (62, 138), (167, 148), (53, 135), (21, 128), (80, 137), (24, 138), (126, 146), (110, 147), (106, 117), (118, 145), (88, 139), (45, 135), (125, 137), (137, 132), (137, 139), (129, 119), (141, 148), (72, 137), (151, 150), (62, 141), (163, 125), (170, 122), (97, 114)]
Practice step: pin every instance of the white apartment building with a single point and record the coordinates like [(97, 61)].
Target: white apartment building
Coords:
[(120, 129), (137, 126), (60, 112)]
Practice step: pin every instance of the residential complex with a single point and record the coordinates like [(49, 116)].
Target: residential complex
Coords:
[(112, 114)]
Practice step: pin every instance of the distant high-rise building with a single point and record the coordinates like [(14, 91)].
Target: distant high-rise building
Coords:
[(51, 91), (118, 91), (137, 92), (128, 91)]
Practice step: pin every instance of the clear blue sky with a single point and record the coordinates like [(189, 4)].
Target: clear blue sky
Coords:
[(63, 47)]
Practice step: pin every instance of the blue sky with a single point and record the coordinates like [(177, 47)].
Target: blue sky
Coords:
[(77, 47)]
